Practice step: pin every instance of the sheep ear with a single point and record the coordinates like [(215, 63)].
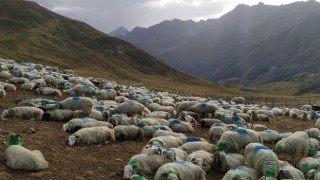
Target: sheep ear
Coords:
[(160, 151), (193, 160)]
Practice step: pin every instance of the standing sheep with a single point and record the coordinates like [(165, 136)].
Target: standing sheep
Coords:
[(92, 135), (180, 170), (19, 157)]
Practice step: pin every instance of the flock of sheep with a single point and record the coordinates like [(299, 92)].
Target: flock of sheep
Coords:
[(102, 111)]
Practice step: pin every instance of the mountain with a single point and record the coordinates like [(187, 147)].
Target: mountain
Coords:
[(29, 32), (254, 45), (120, 31)]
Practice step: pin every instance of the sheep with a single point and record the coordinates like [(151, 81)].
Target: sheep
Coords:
[(231, 119), (266, 112), (257, 127), (28, 86), (195, 146), (306, 107), (238, 138), (167, 133), (2, 93), (62, 115), (215, 132), (222, 162), (244, 116), (269, 136), (8, 87), (19, 157), (313, 174), (143, 164), (259, 117), (122, 119), (157, 107), (184, 105), (307, 163), (5, 74), (129, 108), (241, 172), (192, 139), (58, 83), (92, 135), (173, 154), (313, 133), (106, 94), (294, 145), (238, 100), (23, 113), (208, 122), (84, 89), (120, 99), (155, 121), (185, 117), (277, 111), (69, 92), (128, 132), (41, 82), (180, 170), (287, 171), (262, 159), (202, 159), (48, 91), (78, 123), (159, 114), (17, 80), (313, 145), (180, 126), (77, 103), (203, 108), (166, 141)]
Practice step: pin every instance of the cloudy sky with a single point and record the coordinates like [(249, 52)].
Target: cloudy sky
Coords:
[(107, 15)]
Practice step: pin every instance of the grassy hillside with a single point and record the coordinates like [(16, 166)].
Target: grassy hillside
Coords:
[(29, 32)]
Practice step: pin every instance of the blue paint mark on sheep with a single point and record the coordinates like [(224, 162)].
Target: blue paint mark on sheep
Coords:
[(84, 120), (184, 163), (235, 118), (192, 139), (130, 103), (218, 124), (99, 108), (77, 98), (175, 122), (258, 148), (241, 168), (44, 101), (241, 131), (203, 105), (163, 128)]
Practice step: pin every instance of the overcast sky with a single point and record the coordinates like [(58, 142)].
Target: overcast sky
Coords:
[(107, 15)]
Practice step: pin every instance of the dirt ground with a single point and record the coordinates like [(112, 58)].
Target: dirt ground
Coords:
[(97, 161)]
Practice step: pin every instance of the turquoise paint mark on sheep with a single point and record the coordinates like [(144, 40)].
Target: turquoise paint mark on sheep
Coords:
[(184, 163), (218, 124), (258, 148), (241, 131), (192, 139), (84, 120), (130, 103), (77, 98), (241, 168), (175, 122)]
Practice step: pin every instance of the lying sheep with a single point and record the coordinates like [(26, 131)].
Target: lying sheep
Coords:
[(17, 80), (2, 93), (167, 133), (262, 159), (28, 86), (201, 158), (241, 172), (77, 103), (8, 87), (166, 141), (195, 146), (159, 114), (293, 146), (124, 132), (62, 115), (5, 74), (92, 135), (306, 107), (231, 119), (123, 119), (184, 105), (238, 100), (19, 157), (269, 136), (106, 94), (78, 123), (48, 91), (185, 117), (308, 163), (180, 126), (260, 117), (173, 154), (157, 107), (238, 138), (257, 127), (84, 89), (129, 108), (313, 133), (277, 111), (313, 174), (180, 170), (155, 121), (143, 164), (203, 108), (23, 113), (215, 132), (208, 122), (287, 171), (222, 162)]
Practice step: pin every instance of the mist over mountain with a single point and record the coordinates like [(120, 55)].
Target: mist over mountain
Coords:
[(253, 44)]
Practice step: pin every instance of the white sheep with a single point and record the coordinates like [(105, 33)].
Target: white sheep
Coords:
[(313, 133), (129, 132), (106, 94), (202, 159), (159, 114), (262, 159), (228, 119), (215, 132), (78, 123), (208, 122), (62, 115), (241, 172), (238, 100), (180, 126), (238, 138), (48, 91), (17, 80), (23, 113), (195, 146), (166, 141), (294, 146), (9, 87), (308, 163), (313, 174), (92, 135), (269, 136), (167, 133), (180, 170), (144, 164), (259, 117), (306, 107), (19, 157), (287, 171), (129, 108), (77, 103), (257, 127), (5, 74), (222, 161), (155, 121), (2, 93), (185, 117), (28, 86)]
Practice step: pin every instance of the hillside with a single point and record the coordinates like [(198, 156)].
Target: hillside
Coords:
[(255, 45), (32, 33)]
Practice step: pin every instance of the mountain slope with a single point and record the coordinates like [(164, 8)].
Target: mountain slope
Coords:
[(29, 32), (254, 44), (120, 31)]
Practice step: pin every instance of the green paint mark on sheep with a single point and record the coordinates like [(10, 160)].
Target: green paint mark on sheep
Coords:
[(142, 124), (97, 93), (278, 149), (169, 171), (137, 177), (119, 129), (134, 162), (14, 139), (222, 146), (270, 172), (11, 112), (240, 176), (312, 151)]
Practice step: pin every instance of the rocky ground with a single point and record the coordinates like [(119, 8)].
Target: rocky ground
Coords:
[(96, 161)]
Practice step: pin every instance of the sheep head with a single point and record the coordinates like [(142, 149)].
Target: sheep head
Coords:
[(14, 139)]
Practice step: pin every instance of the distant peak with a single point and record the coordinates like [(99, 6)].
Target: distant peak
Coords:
[(119, 31)]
